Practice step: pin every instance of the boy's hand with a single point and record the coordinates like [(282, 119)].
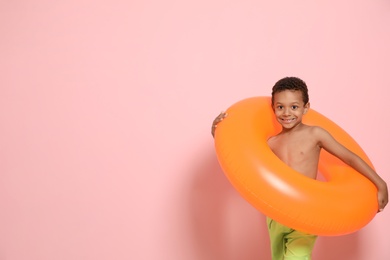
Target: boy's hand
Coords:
[(218, 119), (383, 198)]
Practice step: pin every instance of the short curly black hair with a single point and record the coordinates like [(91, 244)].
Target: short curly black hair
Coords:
[(291, 83)]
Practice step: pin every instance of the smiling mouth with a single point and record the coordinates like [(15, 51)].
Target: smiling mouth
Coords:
[(289, 120)]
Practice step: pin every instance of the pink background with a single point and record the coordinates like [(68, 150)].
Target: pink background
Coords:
[(106, 107)]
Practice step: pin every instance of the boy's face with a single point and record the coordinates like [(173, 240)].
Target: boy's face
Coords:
[(289, 108)]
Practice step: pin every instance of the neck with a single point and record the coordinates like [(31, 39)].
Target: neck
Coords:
[(293, 129)]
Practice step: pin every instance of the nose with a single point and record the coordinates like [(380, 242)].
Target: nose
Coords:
[(286, 112)]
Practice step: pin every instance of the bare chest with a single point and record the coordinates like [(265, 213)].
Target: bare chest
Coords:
[(294, 150)]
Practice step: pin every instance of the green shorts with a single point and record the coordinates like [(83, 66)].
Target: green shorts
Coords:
[(288, 243)]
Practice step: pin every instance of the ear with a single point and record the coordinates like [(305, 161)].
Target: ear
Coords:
[(306, 108)]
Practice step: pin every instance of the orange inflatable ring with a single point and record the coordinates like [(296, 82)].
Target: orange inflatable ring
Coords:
[(342, 204)]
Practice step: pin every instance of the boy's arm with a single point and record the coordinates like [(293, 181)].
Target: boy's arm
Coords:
[(330, 144)]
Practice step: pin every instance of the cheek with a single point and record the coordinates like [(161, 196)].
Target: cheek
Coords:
[(277, 113)]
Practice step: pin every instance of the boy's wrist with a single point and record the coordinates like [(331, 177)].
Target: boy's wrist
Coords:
[(382, 185)]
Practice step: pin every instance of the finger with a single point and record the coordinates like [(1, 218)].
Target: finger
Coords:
[(222, 115), (382, 207)]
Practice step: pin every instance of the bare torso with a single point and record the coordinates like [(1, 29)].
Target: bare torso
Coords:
[(298, 148)]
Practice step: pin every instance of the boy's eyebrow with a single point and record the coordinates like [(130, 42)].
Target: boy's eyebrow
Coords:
[(295, 102)]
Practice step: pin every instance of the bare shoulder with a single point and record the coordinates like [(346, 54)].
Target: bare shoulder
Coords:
[(323, 137), (271, 140), (317, 133), (317, 130)]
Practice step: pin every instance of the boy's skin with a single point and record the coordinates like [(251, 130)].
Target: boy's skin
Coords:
[(299, 145)]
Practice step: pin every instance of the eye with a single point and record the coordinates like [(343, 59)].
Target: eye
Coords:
[(279, 107), (294, 107)]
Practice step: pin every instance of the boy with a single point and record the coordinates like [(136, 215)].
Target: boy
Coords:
[(299, 145)]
